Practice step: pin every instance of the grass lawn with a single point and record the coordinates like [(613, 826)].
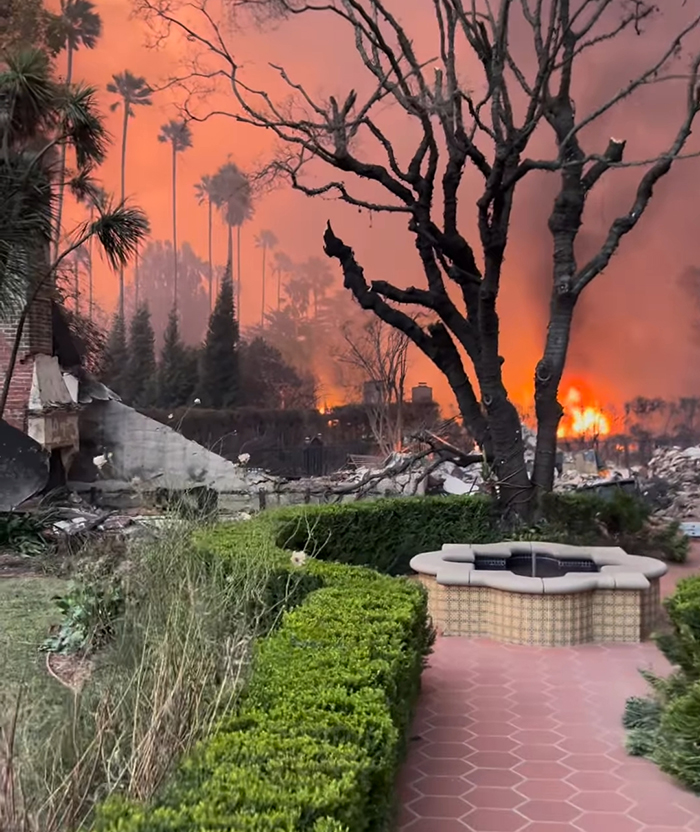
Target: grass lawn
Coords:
[(26, 613)]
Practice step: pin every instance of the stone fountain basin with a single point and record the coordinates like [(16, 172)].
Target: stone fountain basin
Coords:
[(458, 564)]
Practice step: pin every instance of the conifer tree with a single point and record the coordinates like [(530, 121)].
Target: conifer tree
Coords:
[(219, 366), (178, 369), (140, 380), (115, 357)]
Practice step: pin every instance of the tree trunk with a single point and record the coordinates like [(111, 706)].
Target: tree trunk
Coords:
[(90, 277), (262, 313), (175, 292), (123, 197), (62, 165), (76, 286), (238, 257), (211, 262), (547, 378)]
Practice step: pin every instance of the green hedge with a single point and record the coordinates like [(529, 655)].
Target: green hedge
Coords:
[(318, 740), (665, 727), (385, 534)]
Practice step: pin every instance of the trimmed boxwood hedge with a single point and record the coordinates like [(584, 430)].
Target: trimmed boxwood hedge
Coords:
[(316, 744), (385, 534)]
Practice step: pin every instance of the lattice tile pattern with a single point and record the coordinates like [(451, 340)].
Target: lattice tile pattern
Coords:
[(528, 739)]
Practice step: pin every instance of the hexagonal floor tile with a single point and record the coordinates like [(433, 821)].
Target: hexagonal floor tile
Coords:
[(549, 810), (546, 789), (589, 762), (446, 750), (494, 759), (595, 781), (493, 777), (494, 820), (496, 797), (438, 807), (656, 814), (448, 768), (601, 802), (492, 742), (600, 822), (537, 737), (542, 771), (444, 786), (540, 752)]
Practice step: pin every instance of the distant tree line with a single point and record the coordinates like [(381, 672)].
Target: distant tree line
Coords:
[(223, 372)]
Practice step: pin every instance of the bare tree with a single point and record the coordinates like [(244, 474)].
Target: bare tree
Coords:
[(487, 126), (379, 355)]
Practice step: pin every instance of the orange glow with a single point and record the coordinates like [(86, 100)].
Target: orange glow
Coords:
[(582, 416)]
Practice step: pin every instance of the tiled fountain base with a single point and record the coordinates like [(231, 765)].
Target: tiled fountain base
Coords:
[(528, 739)]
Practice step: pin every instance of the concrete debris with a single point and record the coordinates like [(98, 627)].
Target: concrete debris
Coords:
[(673, 476)]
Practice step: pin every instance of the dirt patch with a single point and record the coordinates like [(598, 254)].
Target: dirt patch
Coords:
[(16, 566), (71, 671)]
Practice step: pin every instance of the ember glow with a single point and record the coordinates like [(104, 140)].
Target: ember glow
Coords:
[(582, 416)]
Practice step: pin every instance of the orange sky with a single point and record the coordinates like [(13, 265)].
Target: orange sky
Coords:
[(633, 332)]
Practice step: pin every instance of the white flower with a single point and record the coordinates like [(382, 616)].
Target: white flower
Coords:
[(197, 401), (244, 459), (101, 460), (299, 558), (171, 416), (245, 516)]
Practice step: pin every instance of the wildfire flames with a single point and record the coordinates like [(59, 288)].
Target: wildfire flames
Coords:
[(582, 417)]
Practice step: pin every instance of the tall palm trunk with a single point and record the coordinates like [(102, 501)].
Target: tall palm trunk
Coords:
[(262, 313), (175, 293), (238, 255), (230, 250), (211, 259), (76, 286), (62, 167), (137, 276), (90, 283), (123, 197)]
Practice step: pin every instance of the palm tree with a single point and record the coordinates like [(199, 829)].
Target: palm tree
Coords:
[(265, 240), (96, 196), (133, 91), (234, 198), (283, 265), (317, 275), (79, 259), (36, 115), (179, 136), (78, 24), (205, 193)]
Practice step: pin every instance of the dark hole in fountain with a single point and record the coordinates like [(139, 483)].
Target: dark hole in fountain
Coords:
[(539, 565)]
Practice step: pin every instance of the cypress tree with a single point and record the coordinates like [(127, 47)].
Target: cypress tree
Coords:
[(115, 357), (219, 365), (178, 369), (140, 381)]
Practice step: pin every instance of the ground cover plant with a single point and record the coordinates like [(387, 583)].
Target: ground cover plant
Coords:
[(665, 726)]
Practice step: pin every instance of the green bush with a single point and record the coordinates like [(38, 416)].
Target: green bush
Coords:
[(666, 726), (317, 742), (385, 534)]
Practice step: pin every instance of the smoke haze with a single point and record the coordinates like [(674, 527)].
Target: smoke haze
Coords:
[(632, 335)]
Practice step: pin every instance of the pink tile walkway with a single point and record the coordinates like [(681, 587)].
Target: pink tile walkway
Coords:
[(527, 739)]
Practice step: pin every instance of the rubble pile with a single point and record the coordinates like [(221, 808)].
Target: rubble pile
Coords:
[(679, 469)]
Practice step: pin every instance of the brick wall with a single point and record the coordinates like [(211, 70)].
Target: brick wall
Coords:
[(37, 338)]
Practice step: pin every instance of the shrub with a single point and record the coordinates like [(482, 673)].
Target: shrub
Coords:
[(385, 534), (317, 742), (666, 726)]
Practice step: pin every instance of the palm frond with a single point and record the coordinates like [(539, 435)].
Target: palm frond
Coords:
[(84, 125), (27, 95), (121, 231)]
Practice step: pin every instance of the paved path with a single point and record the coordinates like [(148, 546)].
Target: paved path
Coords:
[(529, 739)]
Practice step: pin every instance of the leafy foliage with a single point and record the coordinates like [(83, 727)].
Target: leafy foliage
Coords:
[(219, 379), (140, 379), (318, 739), (178, 370), (89, 614), (24, 533), (269, 382), (665, 727), (116, 356)]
